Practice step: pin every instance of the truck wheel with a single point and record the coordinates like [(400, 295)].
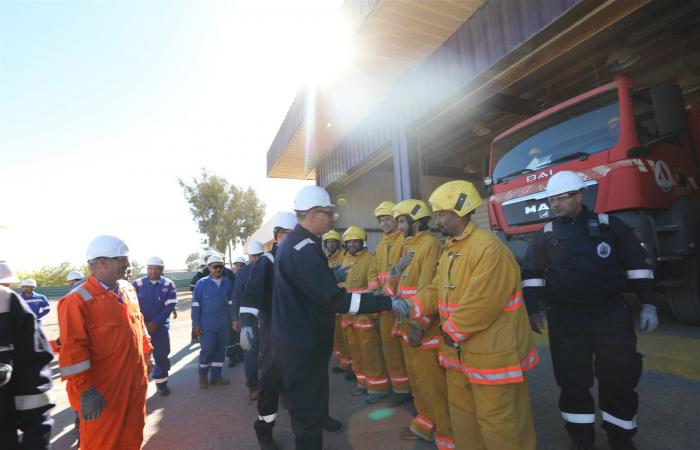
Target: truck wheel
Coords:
[(685, 300)]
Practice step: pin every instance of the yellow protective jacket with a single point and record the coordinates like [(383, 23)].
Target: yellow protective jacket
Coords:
[(476, 291), (356, 282), (385, 256), (417, 276), (336, 258)]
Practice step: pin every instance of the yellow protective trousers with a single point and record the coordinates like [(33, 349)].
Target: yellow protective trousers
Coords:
[(353, 341), (340, 344), (377, 380), (429, 387), (489, 416), (393, 354)]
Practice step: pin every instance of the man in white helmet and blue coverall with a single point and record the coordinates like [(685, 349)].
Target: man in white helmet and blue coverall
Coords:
[(157, 299), (211, 321), (25, 375), (38, 303), (256, 323), (305, 300), (578, 266)]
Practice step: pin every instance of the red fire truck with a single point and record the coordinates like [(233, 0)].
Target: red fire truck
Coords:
[(638, 148)]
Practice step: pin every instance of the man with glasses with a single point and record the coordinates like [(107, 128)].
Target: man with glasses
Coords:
[(256, 323), (305, 299), (211, 321), (579, 265), (106, 351)]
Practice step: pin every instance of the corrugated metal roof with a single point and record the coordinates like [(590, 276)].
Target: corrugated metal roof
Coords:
[(496, 29)]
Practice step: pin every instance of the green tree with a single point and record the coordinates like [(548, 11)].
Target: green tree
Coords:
[(136, 269), (192, 261), (50, 275), (225, 214)]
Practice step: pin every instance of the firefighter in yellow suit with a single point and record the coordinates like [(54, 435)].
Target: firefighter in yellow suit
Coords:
[(363, 337), (385, 256), (421, 339), (331, 246), (487, 344)]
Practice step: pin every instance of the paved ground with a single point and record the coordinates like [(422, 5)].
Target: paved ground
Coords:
[(221, 418)]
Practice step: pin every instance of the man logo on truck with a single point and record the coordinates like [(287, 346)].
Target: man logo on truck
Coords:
[(542, 209)]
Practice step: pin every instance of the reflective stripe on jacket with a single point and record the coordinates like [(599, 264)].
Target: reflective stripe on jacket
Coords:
[(476, 292)]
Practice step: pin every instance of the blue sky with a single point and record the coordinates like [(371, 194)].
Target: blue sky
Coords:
[(104, 104)]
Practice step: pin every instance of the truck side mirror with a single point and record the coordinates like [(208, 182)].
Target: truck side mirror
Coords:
[(485, 163), (669, 109)]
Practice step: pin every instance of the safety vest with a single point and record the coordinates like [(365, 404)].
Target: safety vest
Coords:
[(476, 292)]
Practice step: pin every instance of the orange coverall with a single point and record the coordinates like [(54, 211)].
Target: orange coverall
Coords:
[(105, 345)]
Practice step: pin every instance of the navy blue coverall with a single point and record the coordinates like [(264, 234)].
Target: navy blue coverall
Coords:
[(25, 399), (250, 358), (305, 300), (211, 310), (256, 310), (579, 268), (157, 300), (39, 305)]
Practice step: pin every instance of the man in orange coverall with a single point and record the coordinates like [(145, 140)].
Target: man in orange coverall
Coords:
[(106, 351)]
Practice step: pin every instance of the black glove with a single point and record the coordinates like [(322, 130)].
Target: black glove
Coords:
[(340, 273)]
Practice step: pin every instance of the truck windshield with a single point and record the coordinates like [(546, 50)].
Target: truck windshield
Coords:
[(585, 128)]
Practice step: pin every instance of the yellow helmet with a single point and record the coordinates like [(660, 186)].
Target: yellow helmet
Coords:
[(458, 196), (384, 209), (332, 235), (415, 209), (354, 232)]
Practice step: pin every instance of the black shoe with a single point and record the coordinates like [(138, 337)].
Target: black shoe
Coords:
[(232, 362), (331, 425), (337, 369), (163, 389), (621, 444), (267, 443), (582, 446), (350, 376), (396, 399)]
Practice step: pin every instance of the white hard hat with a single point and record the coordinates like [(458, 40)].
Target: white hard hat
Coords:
[(215, 258), (563, 182), (239, 259), (29, 282), (312, 196), (106, 247), (7, 275), (155, 261), (201, 262), (74, 275), (285, 220), (255, 248)]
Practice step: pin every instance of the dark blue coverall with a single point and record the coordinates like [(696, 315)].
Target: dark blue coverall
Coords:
[(578, 269), (157, 301), (250, 358), (25, 399), (256, 310), (305, 300)]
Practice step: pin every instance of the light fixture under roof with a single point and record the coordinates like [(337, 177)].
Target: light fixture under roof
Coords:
[(622, 58)]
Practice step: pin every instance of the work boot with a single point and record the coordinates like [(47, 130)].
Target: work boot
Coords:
[(358, 390), (397, 398), (373, 397), (337, 369), (331, 425), (220, 382), (407, 435), (621, 444), (232, 362), (267, 443), (163, 389), (350, 376), (203, 381)]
